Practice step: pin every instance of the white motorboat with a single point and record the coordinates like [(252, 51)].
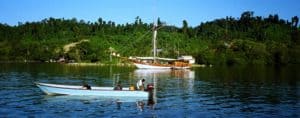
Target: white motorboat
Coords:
[(58, 89)]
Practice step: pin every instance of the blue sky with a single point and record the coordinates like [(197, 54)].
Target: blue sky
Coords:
[(125, 11)]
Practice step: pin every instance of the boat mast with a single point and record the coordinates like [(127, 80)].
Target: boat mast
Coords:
[(154, 40)]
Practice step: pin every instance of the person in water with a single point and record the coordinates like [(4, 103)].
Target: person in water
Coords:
[(140, 84)]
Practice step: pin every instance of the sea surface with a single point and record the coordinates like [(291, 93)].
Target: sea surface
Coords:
[(207, 92)]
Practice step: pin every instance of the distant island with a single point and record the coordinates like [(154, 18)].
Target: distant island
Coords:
[(249, 39)]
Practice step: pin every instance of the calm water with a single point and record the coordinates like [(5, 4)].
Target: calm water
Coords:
[(199, 92)]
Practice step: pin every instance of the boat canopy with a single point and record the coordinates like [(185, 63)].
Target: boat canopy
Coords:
[(151, 58)]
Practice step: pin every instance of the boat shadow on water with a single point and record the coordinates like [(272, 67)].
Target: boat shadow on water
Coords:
[(65, 98), (140, 103)]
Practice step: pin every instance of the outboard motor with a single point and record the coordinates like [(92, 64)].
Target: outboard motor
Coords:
[(150, 87)]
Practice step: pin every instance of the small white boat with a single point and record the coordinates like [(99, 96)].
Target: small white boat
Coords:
[(57, 89)]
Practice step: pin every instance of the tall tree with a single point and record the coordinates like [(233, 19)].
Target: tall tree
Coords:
[(295, 21), (184, 27)]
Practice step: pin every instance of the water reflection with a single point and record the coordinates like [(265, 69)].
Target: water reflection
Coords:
[(164, 73), (150, 75), (104, 101), (207, 92), (153, 76), (185, 74), (62, 98)]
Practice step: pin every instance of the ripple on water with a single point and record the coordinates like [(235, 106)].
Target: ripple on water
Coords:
[(176, 97)]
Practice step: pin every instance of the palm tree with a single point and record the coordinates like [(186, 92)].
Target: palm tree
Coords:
[(111, 51), (295, 21)]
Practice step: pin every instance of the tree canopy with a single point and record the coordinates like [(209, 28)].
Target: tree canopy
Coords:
[(249, 39)]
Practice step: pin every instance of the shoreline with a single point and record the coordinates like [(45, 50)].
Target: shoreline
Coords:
[(90, 64), (98, 64), (124, 64)]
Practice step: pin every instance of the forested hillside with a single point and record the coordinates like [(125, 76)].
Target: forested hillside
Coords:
[(248, 39)]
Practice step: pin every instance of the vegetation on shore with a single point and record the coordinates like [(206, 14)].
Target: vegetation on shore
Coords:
[(246, 40)]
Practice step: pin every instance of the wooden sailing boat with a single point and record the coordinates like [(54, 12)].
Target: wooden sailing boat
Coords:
[(159, 63)]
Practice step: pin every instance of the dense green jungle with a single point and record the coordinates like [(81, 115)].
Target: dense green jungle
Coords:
[(249, 39)]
